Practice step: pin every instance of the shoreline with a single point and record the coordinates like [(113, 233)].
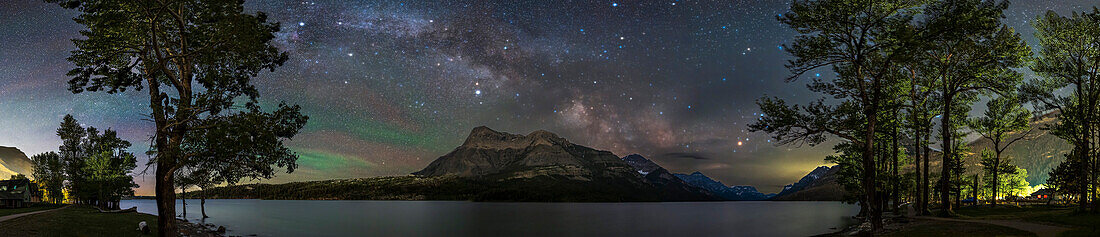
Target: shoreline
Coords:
[(188, 228)]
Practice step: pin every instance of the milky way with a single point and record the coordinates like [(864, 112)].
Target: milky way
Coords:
[(391, 85)]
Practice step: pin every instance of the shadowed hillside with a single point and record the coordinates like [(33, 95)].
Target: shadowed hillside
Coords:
[(1039, 153), (13, 161)]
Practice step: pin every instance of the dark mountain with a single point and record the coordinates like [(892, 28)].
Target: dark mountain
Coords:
[(641, 164), (1039, 153), (13, 161), (805, 181), (541, 166), (819, 185), (736, 193), (672, 188), (540, 153)]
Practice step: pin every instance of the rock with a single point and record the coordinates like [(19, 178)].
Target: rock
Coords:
[(144, 228), (221, 230)]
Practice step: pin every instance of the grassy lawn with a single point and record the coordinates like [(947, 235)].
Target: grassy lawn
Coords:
[(955, 228), (78, 221), (1084, 224), (35, 207), (1006, 212)]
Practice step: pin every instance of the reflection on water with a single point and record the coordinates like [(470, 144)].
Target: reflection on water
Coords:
[(448, 218)]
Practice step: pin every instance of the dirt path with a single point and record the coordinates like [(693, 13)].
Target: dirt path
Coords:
[(1039, 229), (13, 216)]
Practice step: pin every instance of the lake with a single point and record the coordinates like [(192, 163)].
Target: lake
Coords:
[(456, 218)]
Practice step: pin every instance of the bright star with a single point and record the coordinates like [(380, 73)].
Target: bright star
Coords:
[(477, 92)]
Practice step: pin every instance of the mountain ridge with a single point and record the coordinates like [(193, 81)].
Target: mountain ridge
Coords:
[(14, 161), (818, 185), (733, 193)]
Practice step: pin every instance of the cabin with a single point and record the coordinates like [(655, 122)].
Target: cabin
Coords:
[(1043, 194), (17, 193)]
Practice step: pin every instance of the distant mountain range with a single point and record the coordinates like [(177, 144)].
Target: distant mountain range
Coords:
[(819, 185), (13, 161), (540, 166), (497, 166), (733, 193), (671, 186), (512, 164)]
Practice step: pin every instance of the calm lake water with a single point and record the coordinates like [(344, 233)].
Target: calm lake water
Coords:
[(450, 218)]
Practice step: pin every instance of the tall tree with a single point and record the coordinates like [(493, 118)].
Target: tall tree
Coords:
[(859, 40), (1069, 61), (72, 156), (968, 50), (195, 58), (49, 173), (920, 112), (1004, 116)]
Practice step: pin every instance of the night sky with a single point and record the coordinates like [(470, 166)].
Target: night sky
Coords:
[(390, 85)]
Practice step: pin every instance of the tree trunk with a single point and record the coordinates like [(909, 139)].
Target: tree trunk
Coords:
[(919, 195), (166, 200), (1083, 197), (894, 170), (927, 176), (869, 170), (202, 205), (996, 177), (948, 155), (183, 198)]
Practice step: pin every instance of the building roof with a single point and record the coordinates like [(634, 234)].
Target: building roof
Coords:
[(1045, 191)]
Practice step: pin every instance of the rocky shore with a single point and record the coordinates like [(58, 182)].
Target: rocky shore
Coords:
[(188, 229)]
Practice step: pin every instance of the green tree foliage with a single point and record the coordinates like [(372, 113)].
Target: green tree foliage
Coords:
[(1070, 62), (195, 59), (1004, 116), (1066, 177), (49, 173), (859, 41), (72, 156), (244, 145), (1014, 183), (967, 50), (98, 164), (237, 146)]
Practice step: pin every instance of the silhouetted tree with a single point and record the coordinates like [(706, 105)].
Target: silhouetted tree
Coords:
[(241, 145), (195, 59), (72, 155), (49, 173), (920, 110), (1004, 116), (859, 40), (968, 50), (1069, 62)]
